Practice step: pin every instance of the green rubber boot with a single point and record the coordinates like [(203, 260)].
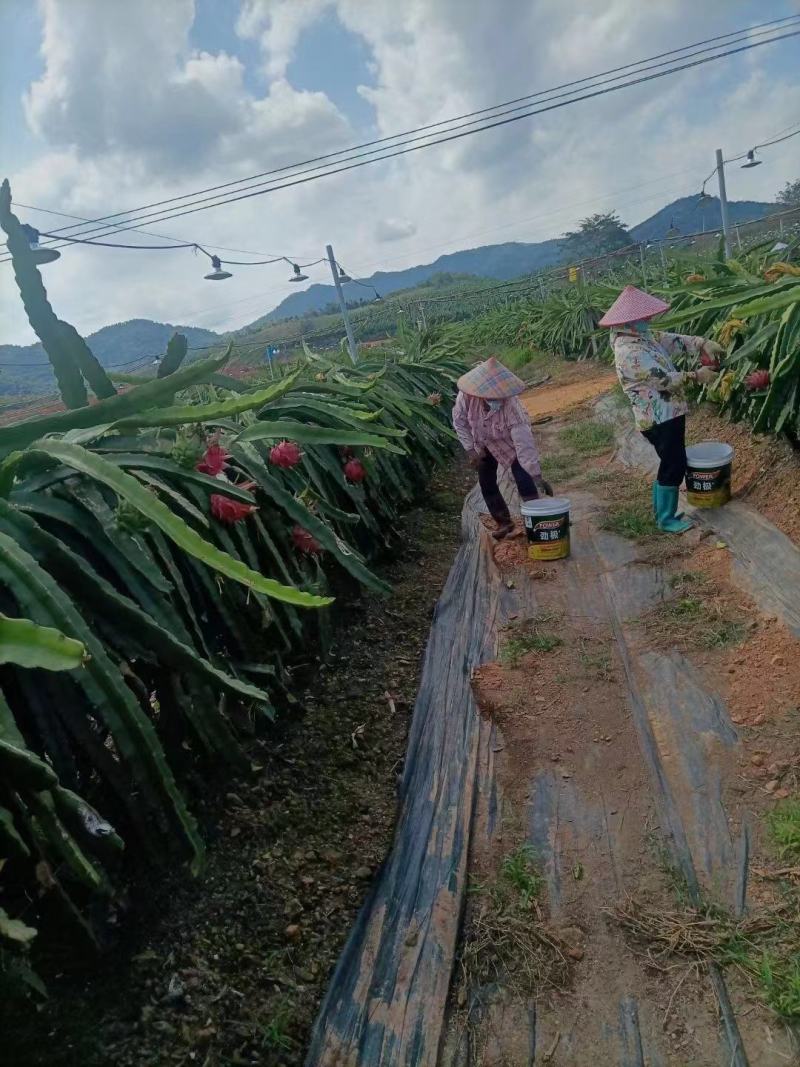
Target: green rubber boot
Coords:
[(666, 500)]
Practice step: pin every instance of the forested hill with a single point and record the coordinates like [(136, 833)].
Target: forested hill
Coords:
[(21, 366)]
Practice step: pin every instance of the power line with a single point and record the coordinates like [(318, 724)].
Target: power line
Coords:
[(448, 134), (147, 233)]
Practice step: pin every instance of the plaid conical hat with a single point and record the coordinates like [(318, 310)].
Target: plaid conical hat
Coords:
[(633, 305), (491, 381)]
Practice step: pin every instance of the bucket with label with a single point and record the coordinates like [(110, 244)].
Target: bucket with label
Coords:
[(547, 526), (708, 474)]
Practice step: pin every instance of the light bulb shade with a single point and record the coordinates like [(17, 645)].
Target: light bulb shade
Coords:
[(779, 246), (344, 276), (217, 274), (38, 255), (298, 275), (751, 161), (378, 297), (44, 255)]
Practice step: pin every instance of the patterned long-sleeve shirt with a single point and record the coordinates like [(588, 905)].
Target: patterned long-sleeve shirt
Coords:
[(648, 376), (506, 433)]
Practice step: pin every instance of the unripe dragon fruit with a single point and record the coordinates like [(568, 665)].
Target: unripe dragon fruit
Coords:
[(305, 542), (285, 454), (129, 519), (355, 471), (757, 380), (188, 449)]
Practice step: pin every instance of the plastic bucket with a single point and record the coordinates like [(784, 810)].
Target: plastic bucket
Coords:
[(547, 526), (708, 474)]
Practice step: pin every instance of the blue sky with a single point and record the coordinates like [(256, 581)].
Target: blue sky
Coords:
[(132, 103)]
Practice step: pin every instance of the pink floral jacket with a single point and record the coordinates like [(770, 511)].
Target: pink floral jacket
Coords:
[(506, 433)]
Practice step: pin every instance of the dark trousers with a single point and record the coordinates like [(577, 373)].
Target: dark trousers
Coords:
[(669, 440), (487, 477)]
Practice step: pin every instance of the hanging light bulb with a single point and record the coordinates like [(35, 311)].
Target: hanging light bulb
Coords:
[(298, 275), (343, 275), (779, 246), (703, 196), (378, 297), (39, 255), (217, 274), (673, 230), (751, 160)]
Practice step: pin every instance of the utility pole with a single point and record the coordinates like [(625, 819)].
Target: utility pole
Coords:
[(723, 203), (351, 341)]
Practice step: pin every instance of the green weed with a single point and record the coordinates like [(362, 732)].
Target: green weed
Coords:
[(784, 828), (588, 438), (600, 476), (561, 466), (275, 1034), (780, 981), (599, 664), (632, 519), (519, 871), (520, 646)]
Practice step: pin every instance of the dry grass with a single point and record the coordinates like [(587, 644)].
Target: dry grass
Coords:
[(697, 933), (762, 947), (505, 938), (698, 615)]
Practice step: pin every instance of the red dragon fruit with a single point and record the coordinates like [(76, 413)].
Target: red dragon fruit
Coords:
[(707, 360), (305, 542), (230, 511), (285, 454), (757, 380), (214, 461), (355, 471)]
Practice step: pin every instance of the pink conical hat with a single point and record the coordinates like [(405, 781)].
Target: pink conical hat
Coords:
[(633, 305), (491, 381)]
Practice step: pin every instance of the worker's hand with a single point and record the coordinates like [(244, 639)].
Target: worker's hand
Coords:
[(542, 487), (711, 348), (705, 375)]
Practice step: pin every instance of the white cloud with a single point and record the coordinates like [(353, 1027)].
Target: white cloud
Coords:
[(128, 113), (278, 24), (394, 229)]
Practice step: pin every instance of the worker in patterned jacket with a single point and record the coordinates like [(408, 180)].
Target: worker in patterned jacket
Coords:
[(495, 430), (656, 388)]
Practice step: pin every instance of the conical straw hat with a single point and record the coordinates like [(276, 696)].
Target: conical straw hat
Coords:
[(633, 305), (491, 381)]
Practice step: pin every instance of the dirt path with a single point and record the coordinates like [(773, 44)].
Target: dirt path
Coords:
[(617, 760), (559, 396)]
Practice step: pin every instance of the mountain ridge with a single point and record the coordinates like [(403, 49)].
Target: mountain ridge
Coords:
[(514, 258)]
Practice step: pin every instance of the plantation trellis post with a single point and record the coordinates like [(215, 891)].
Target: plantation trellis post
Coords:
[(723, 203), (351, 341)]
